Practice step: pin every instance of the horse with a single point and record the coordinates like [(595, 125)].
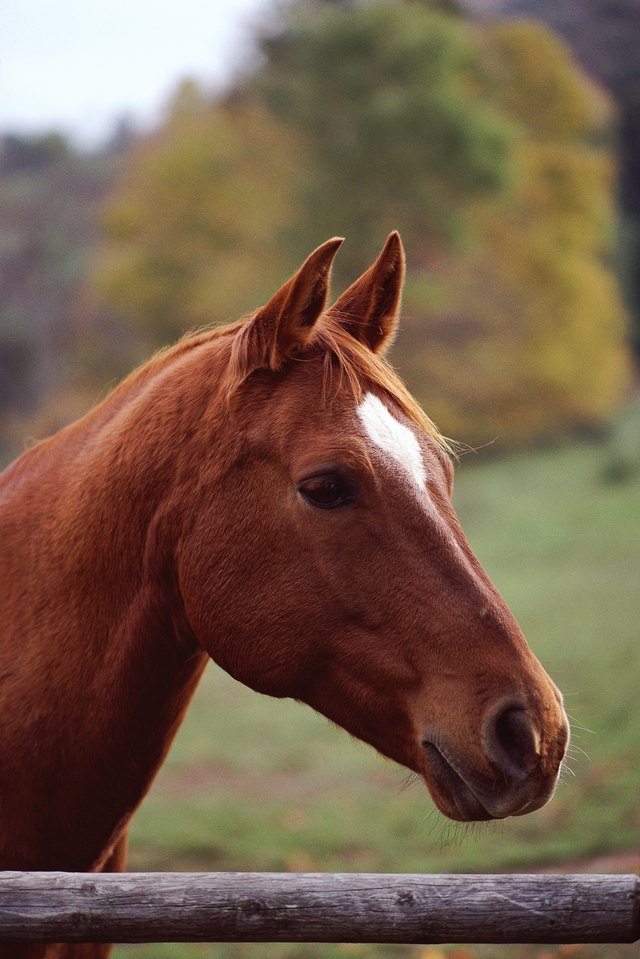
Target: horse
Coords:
[(267, 494)]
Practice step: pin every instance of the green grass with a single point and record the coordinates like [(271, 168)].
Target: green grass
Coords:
[(256, 784)]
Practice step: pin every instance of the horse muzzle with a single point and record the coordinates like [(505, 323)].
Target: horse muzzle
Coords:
[(515, 773)]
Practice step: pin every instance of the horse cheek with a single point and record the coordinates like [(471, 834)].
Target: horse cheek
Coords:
[(246, 600)]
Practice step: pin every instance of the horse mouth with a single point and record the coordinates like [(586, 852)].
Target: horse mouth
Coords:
[(458, 795), (451, 794)]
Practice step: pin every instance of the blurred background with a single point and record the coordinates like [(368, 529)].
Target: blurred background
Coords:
[(165, 169)]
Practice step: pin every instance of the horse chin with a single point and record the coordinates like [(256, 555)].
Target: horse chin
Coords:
[(458, 798), (451, 794)]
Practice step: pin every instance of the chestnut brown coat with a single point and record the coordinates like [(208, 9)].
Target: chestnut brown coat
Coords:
[(269, 495)]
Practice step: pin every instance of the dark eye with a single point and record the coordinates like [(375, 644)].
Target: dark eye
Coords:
[(327, 492)]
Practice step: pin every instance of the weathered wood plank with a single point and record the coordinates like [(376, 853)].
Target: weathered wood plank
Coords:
[(318, 907)]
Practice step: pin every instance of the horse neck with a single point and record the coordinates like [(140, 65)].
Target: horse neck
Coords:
[(102, 659)]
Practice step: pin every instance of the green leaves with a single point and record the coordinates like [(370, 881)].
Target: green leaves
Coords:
[(383, 98), (483, 145)]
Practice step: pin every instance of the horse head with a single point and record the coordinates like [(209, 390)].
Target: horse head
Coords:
[(323, 559)]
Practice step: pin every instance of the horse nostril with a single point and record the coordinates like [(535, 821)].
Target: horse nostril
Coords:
[(512, 742)]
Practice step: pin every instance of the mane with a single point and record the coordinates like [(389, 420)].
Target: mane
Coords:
[(347, 363), (361, 368), (344, 356)]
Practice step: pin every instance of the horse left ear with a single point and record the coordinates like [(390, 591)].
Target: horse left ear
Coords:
[(286, 322), (370, 307)]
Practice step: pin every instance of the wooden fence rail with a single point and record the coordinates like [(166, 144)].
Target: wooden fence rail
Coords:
[(317, 907)]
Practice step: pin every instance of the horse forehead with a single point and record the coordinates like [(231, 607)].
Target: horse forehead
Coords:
[(395, 439)]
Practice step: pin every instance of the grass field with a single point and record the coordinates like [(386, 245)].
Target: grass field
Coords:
[(257, 784)]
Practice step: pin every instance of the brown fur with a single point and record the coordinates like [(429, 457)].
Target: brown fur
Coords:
[(167, 526)]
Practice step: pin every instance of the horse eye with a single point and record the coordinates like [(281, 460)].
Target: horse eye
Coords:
[(327, 492)]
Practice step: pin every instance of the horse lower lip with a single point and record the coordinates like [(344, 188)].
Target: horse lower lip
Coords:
[(461, 795)]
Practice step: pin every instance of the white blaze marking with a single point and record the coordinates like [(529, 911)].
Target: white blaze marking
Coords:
[(392, 437), (400, 444)]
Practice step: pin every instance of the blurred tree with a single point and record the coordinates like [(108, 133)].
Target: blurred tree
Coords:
[(605, 36), (530, 341), (20, 154), (395, 133), (49, 196), (358, 122), (485, 147), (193, 230)]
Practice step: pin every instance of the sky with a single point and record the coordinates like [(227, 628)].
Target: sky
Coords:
[(79, 65)]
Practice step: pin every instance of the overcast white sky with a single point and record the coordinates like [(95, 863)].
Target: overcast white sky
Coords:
[(78, 65)]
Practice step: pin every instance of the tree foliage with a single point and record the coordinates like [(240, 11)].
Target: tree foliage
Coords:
[(396, 135), (605, 37), (191, 228), (530, 339), (48, 199), (487, 149), (359, 121)]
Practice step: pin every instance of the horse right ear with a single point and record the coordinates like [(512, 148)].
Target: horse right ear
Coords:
[(369, 309)]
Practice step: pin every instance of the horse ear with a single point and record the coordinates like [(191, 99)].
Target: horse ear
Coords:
[(369, 309), (286, 322)]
